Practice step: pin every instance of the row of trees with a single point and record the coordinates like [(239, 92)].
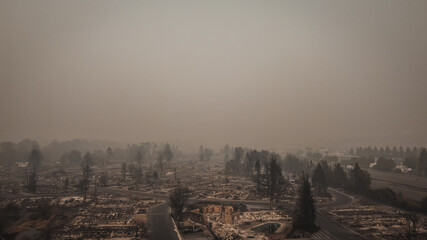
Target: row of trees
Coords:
[(269, 179), (385, 152), (11, 152), (70, 153), (357, 180), (142, 156), (418, 164)]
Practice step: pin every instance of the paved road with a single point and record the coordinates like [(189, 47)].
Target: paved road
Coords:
[(335, 229), (160, 223), (340, 199)]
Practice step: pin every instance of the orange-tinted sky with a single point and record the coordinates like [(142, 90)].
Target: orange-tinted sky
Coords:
[(252, 73)]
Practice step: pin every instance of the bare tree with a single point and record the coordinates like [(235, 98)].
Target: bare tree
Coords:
[(33, 170), (272, 182), (124, 171), (413, 222), (109, 156), (87, 171), (177, 200), (138, 159), (167, 152), (258, 175), (160, 163), (66, 183)]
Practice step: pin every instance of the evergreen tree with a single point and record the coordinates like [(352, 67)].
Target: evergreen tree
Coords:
[(369, 151), (361, 180), (124, 171), (138, 159), (32, 172), (415, 152), (201, 154), (382, 152), (109, 156), (273, 182), (226, 152), (305, 213), (401, 152), (207, 152), (250, 160), (319, 180), (394, 152), (387, 151), (326, 169), (411, 162), (422, 162), (238, 156), (408, 152), (339, 177), (160, 163), (66, 183), (375, 152), (168, 153), (258, 175)]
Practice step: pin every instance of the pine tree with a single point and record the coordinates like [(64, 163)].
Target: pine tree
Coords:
[(375, 152), (138, 159), (109, 156), (408, 152), (167, 152), (319, 180), (339, 177), (271, 183), (66, 183), (124, 171), (160, 162), (422, 162), (258, 175), (201, 154), (394, 152), (361, 179), (32, 172), (305, 213)]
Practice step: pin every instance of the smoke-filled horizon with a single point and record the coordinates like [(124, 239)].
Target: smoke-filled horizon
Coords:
[(246, 73)]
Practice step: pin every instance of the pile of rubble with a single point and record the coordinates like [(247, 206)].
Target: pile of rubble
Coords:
[(227, 222), (262, 216), (110, 217), (378, 222)]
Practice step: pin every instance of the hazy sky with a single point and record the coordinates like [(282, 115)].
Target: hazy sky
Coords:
[(252, 73)]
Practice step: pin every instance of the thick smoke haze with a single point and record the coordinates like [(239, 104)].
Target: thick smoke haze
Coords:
[(252, 73)]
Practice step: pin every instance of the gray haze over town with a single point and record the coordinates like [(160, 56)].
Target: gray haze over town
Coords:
[(213, 119)]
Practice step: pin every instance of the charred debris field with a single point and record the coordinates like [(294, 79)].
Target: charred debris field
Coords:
[(156, 191)]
